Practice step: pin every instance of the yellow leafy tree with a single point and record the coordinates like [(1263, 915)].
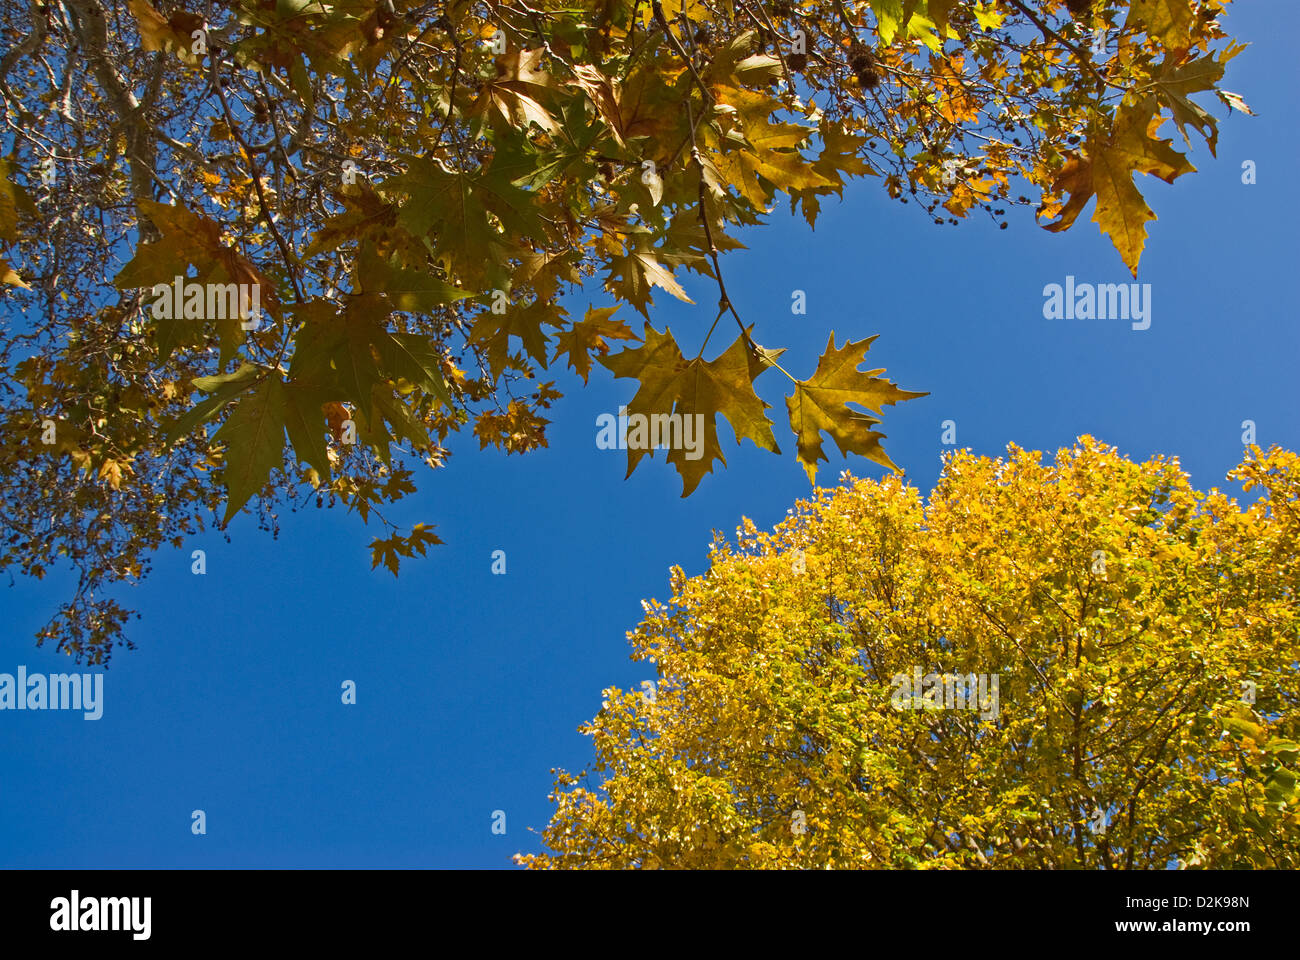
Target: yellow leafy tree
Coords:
[(1131, 643)]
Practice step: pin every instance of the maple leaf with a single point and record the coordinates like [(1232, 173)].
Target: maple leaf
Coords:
[(254, 438), (111, 472), (518, 430), (969, 193), (1234, 101), (393, 410), (305, 422), (153, 262), (317, 340), (604, 94), (514, 207), (676, 388), (193, 239), (422, 535), (723, 386), (1174, 84), (512, 96), (724, 57), (893, 16), (9, 275), (938, 11), (590, 335), (821, 403), (545, 271), (957, 104), (169, 35), (415, 359), (658, 364), (364, 212), (839, 154), (224, 388), (412, 291), (494, 330), (13, 199), (673, 9), (632, 275), (1169, 20), (386, 552), (523, 173), (522, 163), (352, 354), (645, 101), (768, 151), (1106, 171), (686, 234), (445, 205), (697, 461)]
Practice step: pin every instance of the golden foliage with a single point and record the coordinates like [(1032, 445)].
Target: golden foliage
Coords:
[(1145, 636)]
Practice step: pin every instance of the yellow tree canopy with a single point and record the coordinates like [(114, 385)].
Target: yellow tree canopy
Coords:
[(1134, 649)]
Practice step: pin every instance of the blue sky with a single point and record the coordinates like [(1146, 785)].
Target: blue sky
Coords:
[(470, 686)]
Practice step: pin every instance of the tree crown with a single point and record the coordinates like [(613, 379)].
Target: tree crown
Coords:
[(1131, 646)]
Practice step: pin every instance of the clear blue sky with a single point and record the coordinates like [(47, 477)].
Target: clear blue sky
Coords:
[(471, 686)]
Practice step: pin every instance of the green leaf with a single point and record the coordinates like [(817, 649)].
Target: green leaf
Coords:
[(202, 412), (1288, 751), (493, 331), (301, 81), (352, 358), (223, 388), (254, 438), (168, 332), (245, 374), (305, 423), (450, 209), (1246, 728), (316, 342), (396, 413), (412, 291), (1281, 785), (515, 208), (152, 264), (414, 358)]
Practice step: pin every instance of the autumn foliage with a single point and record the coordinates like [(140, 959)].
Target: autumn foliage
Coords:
[(414, 186), (1146, 636)]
